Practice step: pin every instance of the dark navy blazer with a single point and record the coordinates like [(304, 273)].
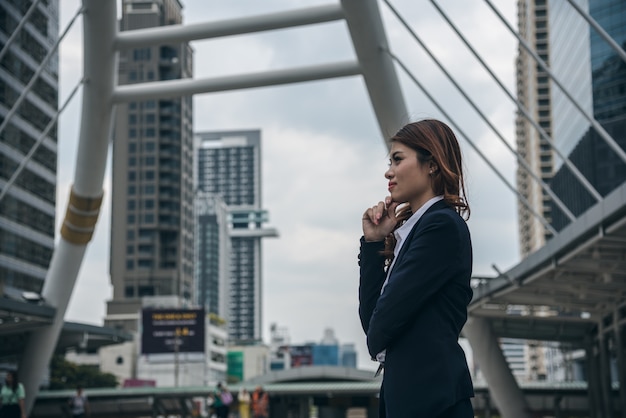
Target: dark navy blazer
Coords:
[(419, 316)]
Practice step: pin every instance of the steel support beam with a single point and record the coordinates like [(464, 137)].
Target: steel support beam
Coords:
[(207, 30), (507, 395), (370, 43), (188, 86), (99, 29)]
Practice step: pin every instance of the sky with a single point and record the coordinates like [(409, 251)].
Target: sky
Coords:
[(323, 156)]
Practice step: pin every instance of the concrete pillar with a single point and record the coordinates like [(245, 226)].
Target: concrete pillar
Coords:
[(605, 371), (503, 388), (620, 354), (487, 400), (593, 380)]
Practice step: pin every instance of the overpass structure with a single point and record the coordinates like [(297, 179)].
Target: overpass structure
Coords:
[(573, 288), (331, 392)]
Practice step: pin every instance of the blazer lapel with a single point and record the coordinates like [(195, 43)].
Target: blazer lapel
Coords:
[(437, 206)]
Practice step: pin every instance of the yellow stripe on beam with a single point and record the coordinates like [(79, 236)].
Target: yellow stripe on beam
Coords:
[(80, 218)]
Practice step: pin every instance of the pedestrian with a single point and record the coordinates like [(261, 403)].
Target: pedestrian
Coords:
[(260, 403), (12, 397), (415, 267), (223, 399), (79, 405), (243, 400)]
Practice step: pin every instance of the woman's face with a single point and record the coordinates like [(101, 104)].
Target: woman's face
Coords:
[(409, 180), (9, 378)]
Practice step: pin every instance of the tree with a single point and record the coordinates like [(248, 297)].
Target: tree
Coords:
[(68, 375)]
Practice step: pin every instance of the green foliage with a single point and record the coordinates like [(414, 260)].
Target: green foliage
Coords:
[(67, 375)]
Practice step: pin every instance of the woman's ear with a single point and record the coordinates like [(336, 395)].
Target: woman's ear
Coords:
[(433, 168)]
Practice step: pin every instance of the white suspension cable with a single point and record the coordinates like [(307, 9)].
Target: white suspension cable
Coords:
[(521, 160), (35, 76), (37, 143), (525, 201), (18, 28), (601, 131), (544, 135)]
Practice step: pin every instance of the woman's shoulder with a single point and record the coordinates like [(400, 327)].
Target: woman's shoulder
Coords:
[(443, 213)]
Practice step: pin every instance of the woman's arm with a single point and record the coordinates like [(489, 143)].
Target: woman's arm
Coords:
[(22, 407), (372, 276), (422, 271)]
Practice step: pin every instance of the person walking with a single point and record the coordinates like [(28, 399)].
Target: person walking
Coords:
[(243, 400), (12, 397), (79, 405), (260, 403), (415, 267)]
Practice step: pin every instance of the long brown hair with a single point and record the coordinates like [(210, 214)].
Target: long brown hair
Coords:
[(434, 142)]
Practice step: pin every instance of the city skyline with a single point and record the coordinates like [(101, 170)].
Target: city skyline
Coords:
[(324, 156)]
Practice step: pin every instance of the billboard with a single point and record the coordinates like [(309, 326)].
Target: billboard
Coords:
[(166, 330), (235, 366), (301, 355)]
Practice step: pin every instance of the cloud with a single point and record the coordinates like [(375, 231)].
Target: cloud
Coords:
[(323, 157)]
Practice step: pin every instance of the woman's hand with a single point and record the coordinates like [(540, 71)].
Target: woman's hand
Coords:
[(379, 220)]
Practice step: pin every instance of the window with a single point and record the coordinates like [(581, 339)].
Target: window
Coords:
[(141, 54), (129, 292)]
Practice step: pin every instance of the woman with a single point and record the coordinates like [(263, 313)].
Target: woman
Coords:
[(79, 404), (243, 398), (415, 267), (12, 397), (260, 403)]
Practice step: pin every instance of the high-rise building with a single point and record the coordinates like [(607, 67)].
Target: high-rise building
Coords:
[(152, 204), (27, 211), (595, 76), (606, 91), (229, 165), (212, 254)]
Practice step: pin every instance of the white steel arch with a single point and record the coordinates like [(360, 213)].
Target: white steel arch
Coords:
[(101, 41)]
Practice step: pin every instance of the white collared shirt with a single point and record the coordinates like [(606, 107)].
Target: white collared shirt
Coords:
[(401, 233)]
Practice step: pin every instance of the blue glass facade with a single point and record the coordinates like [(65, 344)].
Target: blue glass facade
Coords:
[(569, 61), (609, 72), (592, 155)]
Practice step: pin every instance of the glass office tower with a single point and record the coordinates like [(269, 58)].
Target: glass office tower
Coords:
[(27, 211), (229, 165)]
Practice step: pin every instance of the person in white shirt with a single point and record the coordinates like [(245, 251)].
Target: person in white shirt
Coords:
[(79, 405), (415, 268)]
